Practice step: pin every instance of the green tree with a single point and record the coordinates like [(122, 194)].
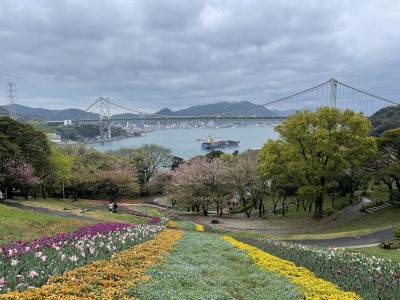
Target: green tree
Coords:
[(147, 160), (389, 147), (176, 161), (31, 145), (214, 154), (22, 142), (316, 146), (61, 164)]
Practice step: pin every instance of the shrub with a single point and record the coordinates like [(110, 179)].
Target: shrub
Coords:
[(240, 208), (397, 232), (329, 211)]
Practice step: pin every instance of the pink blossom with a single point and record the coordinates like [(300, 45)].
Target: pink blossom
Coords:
[(14, 262), (2, 281), (33, 274), (43, 258), (73, 258)]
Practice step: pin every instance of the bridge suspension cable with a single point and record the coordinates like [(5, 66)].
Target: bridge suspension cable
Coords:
[(331, 93)]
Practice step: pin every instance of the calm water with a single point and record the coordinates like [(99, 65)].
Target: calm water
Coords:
[(183, 142)]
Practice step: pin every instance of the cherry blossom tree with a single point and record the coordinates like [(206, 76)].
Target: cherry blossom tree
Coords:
[(16, 173), (201, 182)]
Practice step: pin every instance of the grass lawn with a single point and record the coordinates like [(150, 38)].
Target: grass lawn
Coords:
[(185, 225), (367, 224), (203, 266), (74, 207), (149, 210), (377, 192), (19, 224), (377, 251), (371, 222)]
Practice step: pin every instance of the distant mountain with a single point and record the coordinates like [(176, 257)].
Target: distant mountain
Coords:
[(47, 114), (165, 112), (384, 119), (242, 108), (3, 111), (125, 116)]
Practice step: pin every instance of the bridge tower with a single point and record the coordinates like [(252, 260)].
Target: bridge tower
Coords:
[(11, 92), (105, 119), (333, 92)]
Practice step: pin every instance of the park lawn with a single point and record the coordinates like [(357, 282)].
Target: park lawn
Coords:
[(74, 207), (364, 225), (20, 224), (119, 217), (60, 204), (377, 251), (371, 222), (186, 225), (149, 210), (204, 266), (377, 192)]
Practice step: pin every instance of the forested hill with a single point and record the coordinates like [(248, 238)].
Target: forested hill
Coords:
[(30, 113), (223, 109), (384, 119)]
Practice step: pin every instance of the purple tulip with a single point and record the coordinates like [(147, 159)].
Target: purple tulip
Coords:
[(16, 248)]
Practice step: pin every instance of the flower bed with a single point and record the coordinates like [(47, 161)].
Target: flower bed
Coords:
[(105, 279), (312, 287), (29, 264), (199, 227), (203, 266), (370, 277), (185, 225)]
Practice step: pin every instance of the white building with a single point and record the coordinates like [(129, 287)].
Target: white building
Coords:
[(54, 137)]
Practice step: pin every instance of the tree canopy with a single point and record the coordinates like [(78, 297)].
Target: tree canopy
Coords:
[(21, 141), (147, 160), (315, 147)]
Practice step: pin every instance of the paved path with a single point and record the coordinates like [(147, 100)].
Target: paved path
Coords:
[(361, 240), (51, 211)]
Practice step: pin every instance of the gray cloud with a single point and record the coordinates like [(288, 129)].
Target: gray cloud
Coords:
[(176, 53)]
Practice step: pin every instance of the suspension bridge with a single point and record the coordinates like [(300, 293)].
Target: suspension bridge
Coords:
[(332, 93)]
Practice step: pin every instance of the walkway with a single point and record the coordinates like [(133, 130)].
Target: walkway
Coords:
[(51, 212), (361, 240)]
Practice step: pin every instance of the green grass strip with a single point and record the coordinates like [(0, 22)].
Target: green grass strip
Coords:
[(203, 266), (21, 224)]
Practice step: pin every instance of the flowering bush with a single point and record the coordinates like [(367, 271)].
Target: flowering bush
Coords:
[(370, 277), (30, 264), (105, 279), (16, 172), (130, 211)]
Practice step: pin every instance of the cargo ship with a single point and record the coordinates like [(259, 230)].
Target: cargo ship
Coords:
[(214, 144)]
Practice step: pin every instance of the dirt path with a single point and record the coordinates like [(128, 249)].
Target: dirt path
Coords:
[(51, 212)]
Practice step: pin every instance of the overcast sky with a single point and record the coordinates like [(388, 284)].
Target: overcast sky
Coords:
[(151, 54)]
